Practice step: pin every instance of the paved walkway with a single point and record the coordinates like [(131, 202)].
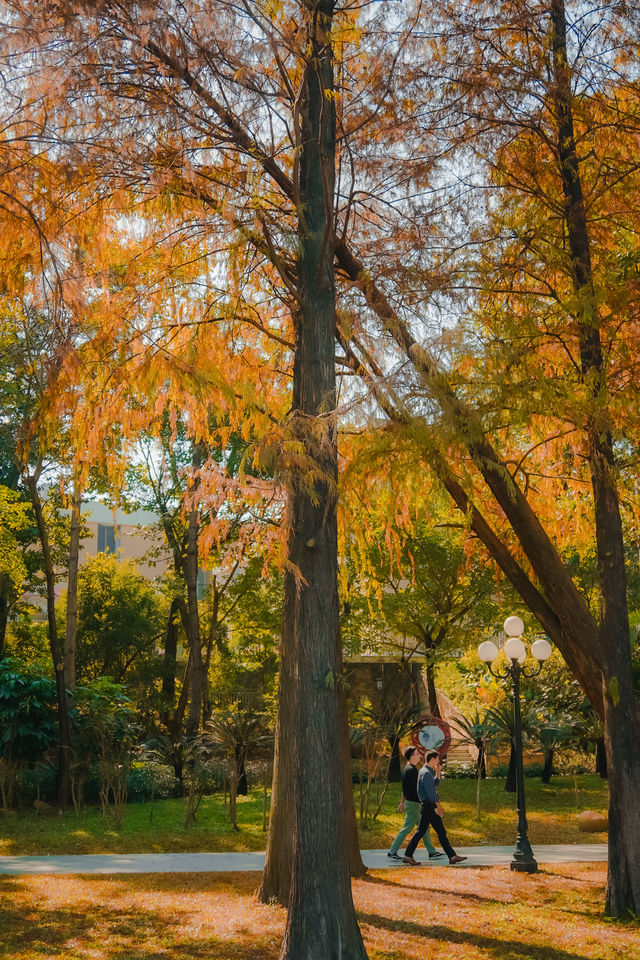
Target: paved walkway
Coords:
[(231, 862)]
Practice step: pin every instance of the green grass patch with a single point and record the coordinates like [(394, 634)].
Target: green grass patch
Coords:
[(158, 827), (551, 812)]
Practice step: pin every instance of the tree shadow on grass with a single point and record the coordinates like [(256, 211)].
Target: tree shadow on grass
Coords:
[(211, 948), (460, 894), (500, 948), (44, 930), (68, 933), (245, 883)]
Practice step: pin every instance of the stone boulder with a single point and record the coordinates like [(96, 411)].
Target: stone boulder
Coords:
[(591, 822)]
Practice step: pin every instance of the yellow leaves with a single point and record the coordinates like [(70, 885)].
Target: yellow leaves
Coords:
[(14, 517)]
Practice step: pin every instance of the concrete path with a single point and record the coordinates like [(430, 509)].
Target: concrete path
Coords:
[(231, 862)]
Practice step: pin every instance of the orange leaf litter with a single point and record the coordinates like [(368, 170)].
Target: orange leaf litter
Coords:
[(430, 914)]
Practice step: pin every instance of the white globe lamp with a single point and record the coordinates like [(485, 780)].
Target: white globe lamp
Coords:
[(514, 627), (514, 649), (541, 649), (488, 651)]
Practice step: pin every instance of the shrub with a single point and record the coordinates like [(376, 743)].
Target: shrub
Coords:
[(149, 781), (530, 770), (460, 770), (27, 721)]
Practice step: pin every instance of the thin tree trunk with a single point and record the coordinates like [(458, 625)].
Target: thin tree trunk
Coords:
[(71, 626), (321, 920), (621, 725), (214, 627), (351, 839), (64, 726), (432, 693), (169, 659), (547, 770), (193, 618), (241, 772), (183, 700), (394, 773)]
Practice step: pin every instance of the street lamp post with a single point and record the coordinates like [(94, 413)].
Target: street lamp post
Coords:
[(516, 654)]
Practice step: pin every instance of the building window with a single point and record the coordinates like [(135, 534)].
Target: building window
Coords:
[(108, 540)]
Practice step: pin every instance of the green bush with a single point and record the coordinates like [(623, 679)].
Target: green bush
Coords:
[(148, 781), (460, 770), (530, 770), (39, 780), (27, 722)]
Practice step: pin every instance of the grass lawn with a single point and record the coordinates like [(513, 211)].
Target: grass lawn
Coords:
[(159, 826), (551, 812), (405, 914)]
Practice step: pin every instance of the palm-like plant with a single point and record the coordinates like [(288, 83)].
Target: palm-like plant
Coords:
[(501, 722), (479, 733), (372, 728), (552, 734), (233, 732), (188, 756)]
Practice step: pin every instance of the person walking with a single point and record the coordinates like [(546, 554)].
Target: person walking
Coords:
[(430, 811), (410, 804)]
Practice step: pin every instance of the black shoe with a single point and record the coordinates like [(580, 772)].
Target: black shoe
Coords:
[(436, 853), (394, 856)]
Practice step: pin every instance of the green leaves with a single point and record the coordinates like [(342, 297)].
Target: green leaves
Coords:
[(27, 711)]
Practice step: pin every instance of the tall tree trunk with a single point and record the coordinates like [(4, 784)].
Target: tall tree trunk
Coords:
[(169, 658), (57, 657), (276, 877), (183, 700), (394, 773), (193, 618), (71, 626), (432, 693), (601, 759), (547, 770), (621, 726), (321, 920), (214, 635)]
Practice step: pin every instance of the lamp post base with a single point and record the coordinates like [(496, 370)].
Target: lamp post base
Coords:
[(523, 858)]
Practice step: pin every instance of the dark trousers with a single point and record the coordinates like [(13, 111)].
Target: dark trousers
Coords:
[(429, 818)]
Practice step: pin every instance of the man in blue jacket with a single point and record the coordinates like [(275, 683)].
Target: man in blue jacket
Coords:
[(430, 811), (411, 806)]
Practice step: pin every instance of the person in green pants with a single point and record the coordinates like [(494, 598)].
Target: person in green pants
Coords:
[(410, 805)]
